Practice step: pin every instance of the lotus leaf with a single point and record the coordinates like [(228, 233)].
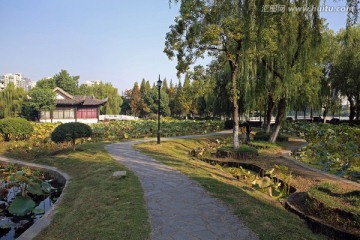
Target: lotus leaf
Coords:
[(21, 206), (262, 182), (34, 188), (46, 187), (38, 211)]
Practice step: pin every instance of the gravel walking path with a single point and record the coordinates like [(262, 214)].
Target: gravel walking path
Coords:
[(179, 208)]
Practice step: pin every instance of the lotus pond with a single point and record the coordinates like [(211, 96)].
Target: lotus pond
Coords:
[(25, 196)]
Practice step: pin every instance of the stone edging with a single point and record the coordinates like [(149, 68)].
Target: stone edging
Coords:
[(45, 220)]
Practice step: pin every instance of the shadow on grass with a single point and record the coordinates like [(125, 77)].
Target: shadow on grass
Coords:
[(266, 218), (95, 205)]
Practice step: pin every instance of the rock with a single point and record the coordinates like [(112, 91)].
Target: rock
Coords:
[(119, 174)]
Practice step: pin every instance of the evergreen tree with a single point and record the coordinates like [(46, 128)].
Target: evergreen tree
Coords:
[(151, 100), (66, 82), (46, 83), (135, 99), (143, 88)]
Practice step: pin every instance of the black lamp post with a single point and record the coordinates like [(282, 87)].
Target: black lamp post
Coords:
[(158, 84)]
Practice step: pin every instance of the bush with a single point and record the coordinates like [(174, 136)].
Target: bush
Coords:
[(15, 129), (70, 132)]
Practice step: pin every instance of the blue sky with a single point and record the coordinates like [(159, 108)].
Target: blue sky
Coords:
[(117, 41)]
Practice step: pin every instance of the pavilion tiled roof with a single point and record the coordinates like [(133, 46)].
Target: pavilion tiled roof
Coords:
[(78, 100)]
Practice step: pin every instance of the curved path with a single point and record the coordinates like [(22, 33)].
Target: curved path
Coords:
[(178, 207)]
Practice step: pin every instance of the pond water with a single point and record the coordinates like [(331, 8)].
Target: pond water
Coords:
[(12, 226)]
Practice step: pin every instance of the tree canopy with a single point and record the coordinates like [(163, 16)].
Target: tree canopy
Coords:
[(101, 91)]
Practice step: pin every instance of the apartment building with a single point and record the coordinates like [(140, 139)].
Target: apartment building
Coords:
[(16, 79), (92, 82)]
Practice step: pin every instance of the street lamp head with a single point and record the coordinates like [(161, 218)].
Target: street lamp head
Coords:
[(159, 83)]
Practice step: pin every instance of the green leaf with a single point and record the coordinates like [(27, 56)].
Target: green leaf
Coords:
[(34, 188), (38, 211), (46, 187), (262, 182), (21, 206)]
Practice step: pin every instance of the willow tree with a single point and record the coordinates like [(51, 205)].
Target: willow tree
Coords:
[(102, 91), (345, 72), (288, 46), (214, 29), (11, 100)]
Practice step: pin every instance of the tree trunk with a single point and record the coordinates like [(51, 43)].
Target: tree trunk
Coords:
[(311, 114), (279, 118), (324, 114), (358, 108), (260, 120), (296, 111), (235, 108), (352, 108), (304, 113), (73, 144), (269, 112)]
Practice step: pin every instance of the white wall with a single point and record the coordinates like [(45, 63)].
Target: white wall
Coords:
[(87, 121)]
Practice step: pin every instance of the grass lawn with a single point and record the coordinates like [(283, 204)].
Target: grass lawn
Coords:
[(261, 214), (95, 205)]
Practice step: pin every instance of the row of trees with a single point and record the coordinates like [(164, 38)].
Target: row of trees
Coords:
[(179, 100), (283, 60), (17, 102)]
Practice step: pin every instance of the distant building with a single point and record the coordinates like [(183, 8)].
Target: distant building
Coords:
[(93, 82), (69, 108), (30, 85), (16, 79)]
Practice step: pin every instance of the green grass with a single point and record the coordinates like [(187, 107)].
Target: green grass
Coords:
[(242, 149), (95, 205), (266, 217), (334, 196), (264, 145)]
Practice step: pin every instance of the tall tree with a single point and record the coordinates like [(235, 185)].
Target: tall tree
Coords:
[(345, 71), (164, 85), (215, 28), (328, 97), (135, 99), (41, 99), (11, 100), (126, 107), (172, 98), (143, 88), (46, 83), (66, 82), (151, 100), (287, 45), (102, 91)]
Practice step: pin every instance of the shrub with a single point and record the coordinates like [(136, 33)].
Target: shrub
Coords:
[(15, 129), (70, 132)]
